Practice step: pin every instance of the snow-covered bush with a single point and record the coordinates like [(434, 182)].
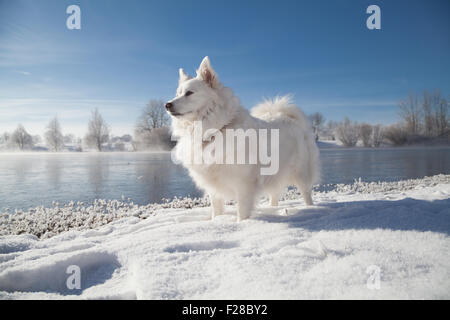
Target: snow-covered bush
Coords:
[(347, 132), (157, 139)]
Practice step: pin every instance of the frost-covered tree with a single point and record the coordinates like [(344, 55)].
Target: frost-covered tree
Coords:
[(330, 130), (317, 120), (397, 134), (427, 111), (53, 136), (411, 114), (21, 138), (365, 132), (435, 114), (377, 135), (153, 116), (151, 130), (441, 115), (98, 131), (4, 138), (348, 132)]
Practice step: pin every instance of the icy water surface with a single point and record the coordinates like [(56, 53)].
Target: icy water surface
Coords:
[(30, 180)]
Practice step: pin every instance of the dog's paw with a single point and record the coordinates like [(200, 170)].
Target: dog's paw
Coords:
[(283, 212), (241, 219)]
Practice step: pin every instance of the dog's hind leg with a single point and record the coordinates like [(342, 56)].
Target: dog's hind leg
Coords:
[(306, 193), (217, 206)]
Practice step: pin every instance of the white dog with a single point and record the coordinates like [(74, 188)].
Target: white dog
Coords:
[(203, 100)]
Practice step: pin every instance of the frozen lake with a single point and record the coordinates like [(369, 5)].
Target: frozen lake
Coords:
[(34, 179)]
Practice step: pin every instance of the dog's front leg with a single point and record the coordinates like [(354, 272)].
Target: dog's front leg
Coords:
[(244, 206), (217, 206)]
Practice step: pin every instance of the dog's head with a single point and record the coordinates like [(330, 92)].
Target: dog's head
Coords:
[(194, 95)]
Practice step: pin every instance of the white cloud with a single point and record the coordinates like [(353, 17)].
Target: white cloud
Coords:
[(25, 73)]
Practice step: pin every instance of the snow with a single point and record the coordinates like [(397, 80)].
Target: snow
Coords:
[(166, 251)]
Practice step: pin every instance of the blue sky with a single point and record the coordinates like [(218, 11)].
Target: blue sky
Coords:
[(128, 52)]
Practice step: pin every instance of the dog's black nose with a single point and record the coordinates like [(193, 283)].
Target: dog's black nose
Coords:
[(169, 106)]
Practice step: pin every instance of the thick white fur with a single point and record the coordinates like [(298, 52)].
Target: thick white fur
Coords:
[(217, 107)]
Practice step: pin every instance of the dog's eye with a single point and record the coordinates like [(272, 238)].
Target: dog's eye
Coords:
[(188, 93)]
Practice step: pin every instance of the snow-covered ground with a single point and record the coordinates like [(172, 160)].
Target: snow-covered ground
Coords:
[(366, 240)]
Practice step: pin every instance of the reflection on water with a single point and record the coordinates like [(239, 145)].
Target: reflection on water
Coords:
[(346, 165), (21, 167), (98, 172), (53, 168), (154, 178), (29, 180)]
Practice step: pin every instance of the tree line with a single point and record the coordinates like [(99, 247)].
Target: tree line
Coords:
[(423, 119), (151, 132), (98, 134)]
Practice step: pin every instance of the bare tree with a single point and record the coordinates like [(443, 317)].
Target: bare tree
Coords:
[(427, 104), (348, 132), (21, 138), (317, 120), (4, 138), (53, 136), (441, 117), (151, 130), (98, 131), (411, 113), (396, 134), (330, 130), (365, 132), (153, 116), (377, 135)]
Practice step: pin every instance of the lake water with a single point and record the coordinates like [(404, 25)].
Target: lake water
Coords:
[(30, 180)]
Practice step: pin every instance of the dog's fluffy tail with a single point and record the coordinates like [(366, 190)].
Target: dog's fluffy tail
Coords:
[(282, 108), (279, 108)]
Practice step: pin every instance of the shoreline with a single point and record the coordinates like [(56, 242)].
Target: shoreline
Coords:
[(322, 145), (46, 222)]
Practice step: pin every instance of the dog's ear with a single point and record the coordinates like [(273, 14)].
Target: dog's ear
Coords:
[(183, 76), (206, 73)]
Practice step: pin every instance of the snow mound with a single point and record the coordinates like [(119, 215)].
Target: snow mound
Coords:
[(380, 241), (51, 275)]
